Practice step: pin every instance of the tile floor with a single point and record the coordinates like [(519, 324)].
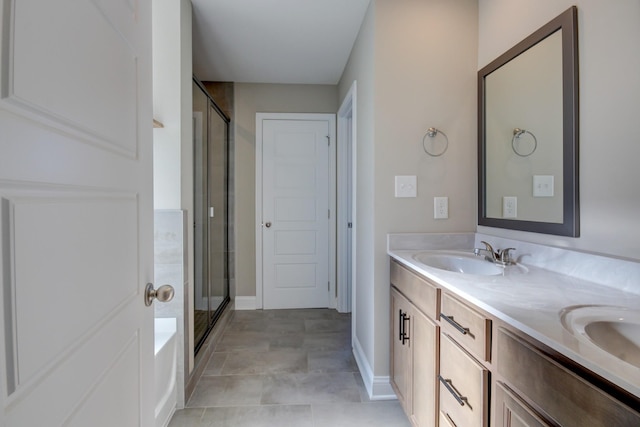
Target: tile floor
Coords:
[(285, 368)]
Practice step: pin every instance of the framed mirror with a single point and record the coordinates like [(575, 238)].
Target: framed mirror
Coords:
[(528, 133)]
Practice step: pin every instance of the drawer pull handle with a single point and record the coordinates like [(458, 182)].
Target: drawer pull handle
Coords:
[(458, 326), (402, 331), (447, 383), (405, 334)]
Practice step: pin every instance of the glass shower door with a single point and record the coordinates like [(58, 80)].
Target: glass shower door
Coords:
[(201, 217), (211, 139), (218, 289)]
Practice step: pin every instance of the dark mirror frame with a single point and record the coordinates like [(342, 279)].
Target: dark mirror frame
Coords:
[(568, 22)]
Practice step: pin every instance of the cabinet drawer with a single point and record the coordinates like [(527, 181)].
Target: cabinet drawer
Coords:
[(464, 386), (420, 292), (564, 396), (470, 328)]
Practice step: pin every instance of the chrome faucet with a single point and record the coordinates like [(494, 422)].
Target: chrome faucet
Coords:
[(500, 257), (490, 255)]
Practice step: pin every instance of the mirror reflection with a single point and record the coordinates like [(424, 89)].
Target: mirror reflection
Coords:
[(528, 133), (526, 94)]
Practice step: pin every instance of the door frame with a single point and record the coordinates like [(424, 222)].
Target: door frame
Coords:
[(331, 118), (346, 197)]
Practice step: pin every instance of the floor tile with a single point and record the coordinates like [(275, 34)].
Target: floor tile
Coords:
[(327, 341), (215, 364), (190, 417), (331, 361), (304, 314), (242, 341), (268, 362), (326, 325), (285, 368), (370, 414), (259, 416), (288, 341), (229, 390), (309, 388)]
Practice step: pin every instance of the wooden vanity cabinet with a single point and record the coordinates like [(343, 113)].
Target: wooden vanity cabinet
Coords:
[(454, 365), (529, 378), (414, 344)]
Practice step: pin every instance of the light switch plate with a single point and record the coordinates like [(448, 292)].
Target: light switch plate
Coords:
[(406, 186), (543, 186)]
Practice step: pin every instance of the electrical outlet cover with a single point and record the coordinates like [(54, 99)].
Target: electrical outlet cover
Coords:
[(509, 207), (440, 207)]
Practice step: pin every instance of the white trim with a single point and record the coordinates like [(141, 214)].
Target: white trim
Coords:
[(244, 303), (331, 118), (378, 387), (346, 136), (258, 230)]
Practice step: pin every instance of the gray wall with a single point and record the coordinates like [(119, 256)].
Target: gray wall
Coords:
[(409, 80), (249, 100)]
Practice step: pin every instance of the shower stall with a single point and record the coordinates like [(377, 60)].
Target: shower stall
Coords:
[(211, 212)]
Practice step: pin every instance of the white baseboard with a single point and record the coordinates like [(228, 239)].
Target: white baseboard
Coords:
[(245, 303), (378, 387)]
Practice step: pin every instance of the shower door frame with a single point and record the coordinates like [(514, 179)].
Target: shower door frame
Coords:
[(213, 312)]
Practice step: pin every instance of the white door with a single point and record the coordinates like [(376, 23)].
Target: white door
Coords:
[(295, 213), (76, 218), (346, 194)]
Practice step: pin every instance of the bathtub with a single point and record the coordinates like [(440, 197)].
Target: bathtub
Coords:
[(165, 370)]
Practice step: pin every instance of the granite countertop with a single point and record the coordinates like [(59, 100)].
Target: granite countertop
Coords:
[(531, 300)]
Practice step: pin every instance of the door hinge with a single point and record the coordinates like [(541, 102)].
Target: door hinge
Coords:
[(349, 225), (329, 213), (328, 286)]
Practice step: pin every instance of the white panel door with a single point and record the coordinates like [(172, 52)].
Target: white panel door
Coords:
[(295, 213), (76, 213)]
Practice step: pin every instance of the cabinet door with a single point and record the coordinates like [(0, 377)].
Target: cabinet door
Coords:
[(510, 412), (424, 345), (400, 361)]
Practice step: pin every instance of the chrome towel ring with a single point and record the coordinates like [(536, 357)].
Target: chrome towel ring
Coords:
[(517, 133), (432, 133)]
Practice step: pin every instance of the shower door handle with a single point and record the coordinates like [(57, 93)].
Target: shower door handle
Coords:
[(164, 293)]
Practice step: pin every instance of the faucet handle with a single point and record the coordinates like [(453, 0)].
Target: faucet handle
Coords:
[(488, 246), (505, 255)]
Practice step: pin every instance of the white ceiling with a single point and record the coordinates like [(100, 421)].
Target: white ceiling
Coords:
[(274, 41)]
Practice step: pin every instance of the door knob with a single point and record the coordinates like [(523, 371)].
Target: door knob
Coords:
[(164, 293), (267, 224)]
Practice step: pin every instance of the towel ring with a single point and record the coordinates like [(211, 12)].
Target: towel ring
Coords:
[(432, 133), (517, 133)]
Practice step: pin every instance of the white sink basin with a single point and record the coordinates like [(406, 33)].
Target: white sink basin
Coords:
[(615, 330), (458, 262)]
